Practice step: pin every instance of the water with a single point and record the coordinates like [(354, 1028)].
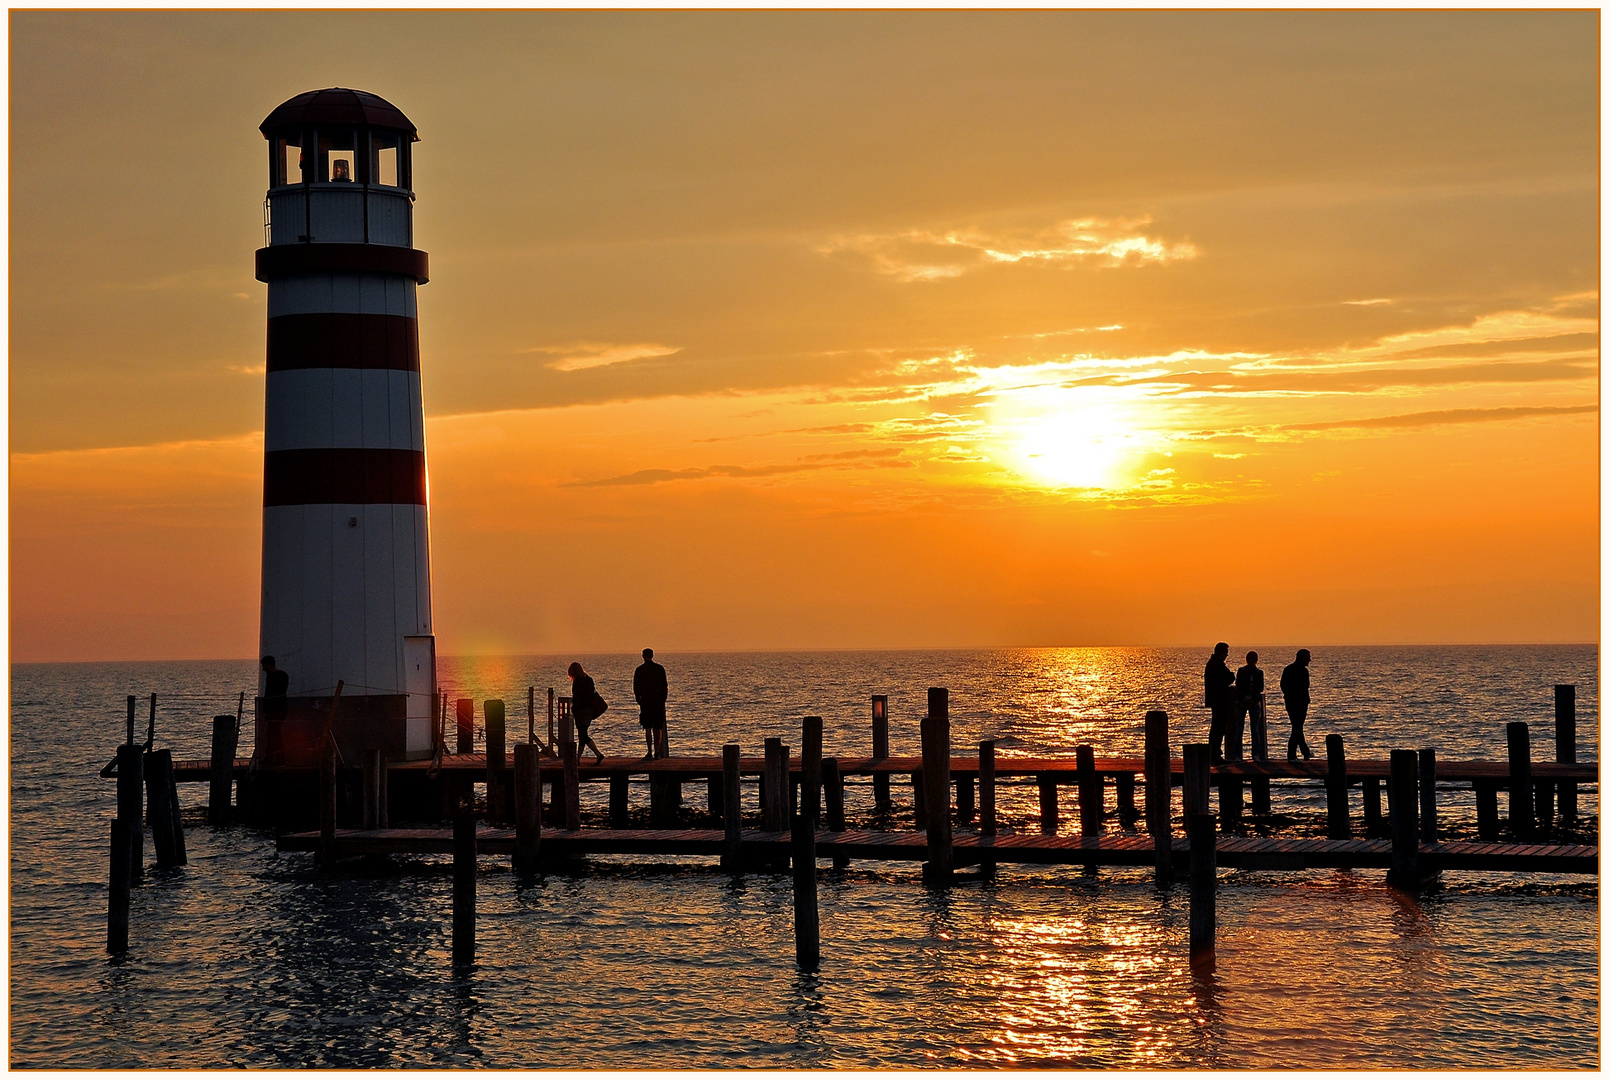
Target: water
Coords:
[(250, 958)]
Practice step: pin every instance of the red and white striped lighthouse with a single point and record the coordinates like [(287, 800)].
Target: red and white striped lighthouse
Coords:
[(346, 536)]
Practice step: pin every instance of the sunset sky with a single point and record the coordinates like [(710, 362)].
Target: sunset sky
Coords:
[(826, 329)]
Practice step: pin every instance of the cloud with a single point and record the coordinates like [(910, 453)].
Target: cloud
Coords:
[(933, 255), (586, 354), (851, 459), (1447, 416)]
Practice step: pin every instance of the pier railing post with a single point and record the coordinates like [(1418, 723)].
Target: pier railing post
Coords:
[(880, 794), (130, 800), (117, 893), (527, 806), (167, 834), (1487, 827), (1404, 873), (224, 737), (986, 811), (464, 858), (936, 779), (1335, 789), (1091, 795), (1521, 820), (1159, 791), (1564, 742), (732, 811), (496, 761), (832, 789), (1203, 853), (1427, 795)]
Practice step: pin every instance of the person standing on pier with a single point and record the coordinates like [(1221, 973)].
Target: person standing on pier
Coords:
[(586, 705), (1293, 683), (652, 689), (1220, 698), (1249, 698)]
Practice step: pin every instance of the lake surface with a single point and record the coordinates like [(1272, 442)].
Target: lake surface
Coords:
[(249, 958)]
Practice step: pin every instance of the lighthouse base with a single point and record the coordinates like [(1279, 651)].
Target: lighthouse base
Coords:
[(291, 730)]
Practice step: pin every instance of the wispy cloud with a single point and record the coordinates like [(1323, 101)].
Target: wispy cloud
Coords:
[(588, 354), (850, 459), (1447, 416)]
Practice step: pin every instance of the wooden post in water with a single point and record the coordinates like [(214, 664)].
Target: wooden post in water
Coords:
[(167, 836), (1159, 791), (464, 710), (1521, 821), (224, 735), (664, 798), (732, 813), (986, 812), (464, 858), (810, 771), (1048, 816), (619, 801), (1404, 872), (1126, 814), (1374, 822), (832, 797), (806, 918), (572, 787), (1231, 797), (1486, 824), (936, 777), (497, 808), (117, 892), (1564, 742), (1427, 795), (527, 806), (130, 799), (552, 749), (880, 794), (774, 787), (713, 798), (1262, 803), (1203, 853), (1091, 794), (1335, 790)]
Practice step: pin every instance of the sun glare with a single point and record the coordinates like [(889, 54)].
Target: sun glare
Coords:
[(1062, 443)]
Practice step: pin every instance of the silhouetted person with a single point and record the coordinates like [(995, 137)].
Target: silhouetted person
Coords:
[(1220, 698), (277, 686), (1293, 683), (650, 687), (1249, 701), (586, 705)]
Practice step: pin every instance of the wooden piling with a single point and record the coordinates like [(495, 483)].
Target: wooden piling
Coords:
[(464, 859), (1521, 820), (1339, 825), (224, 737), (1404, 872), (1159, 791), (619, 801), (1427, 795), (1091, 794), (465, 712), (130, 800), (714, 800), (774, 788), (986, 810), (664, 799), (732, 812), (527, 806), (1487, 825), (1374, 822), (1262, 803), (497, 808), (936, 777), (1564, 744), (1203, 853), (832, 796), (918, 801), (1126, 814), (117, 892), (810, 771), (1231, 802), (1048, 816), (572, 787), (806, 917), (167, 835), (880, 793)]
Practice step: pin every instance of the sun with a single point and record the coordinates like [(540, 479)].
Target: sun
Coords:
[(1061, 442)]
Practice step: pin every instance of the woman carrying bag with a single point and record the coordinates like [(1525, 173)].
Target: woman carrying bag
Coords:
[(586, 705)]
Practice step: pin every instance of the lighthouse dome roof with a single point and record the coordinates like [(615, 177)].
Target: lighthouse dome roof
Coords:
[(338, 105)]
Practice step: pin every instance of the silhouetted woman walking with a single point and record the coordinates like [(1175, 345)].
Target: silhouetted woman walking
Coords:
[(586, 705)]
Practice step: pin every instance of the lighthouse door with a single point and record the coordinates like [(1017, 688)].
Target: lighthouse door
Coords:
[(419, 660)]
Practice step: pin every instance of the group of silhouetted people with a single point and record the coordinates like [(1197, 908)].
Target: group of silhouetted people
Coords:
[(1235, 697), (651, 689)]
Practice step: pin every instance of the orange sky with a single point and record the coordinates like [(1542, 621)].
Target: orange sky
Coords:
[(823, 329)]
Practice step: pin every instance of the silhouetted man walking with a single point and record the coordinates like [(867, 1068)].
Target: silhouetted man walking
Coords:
[(1220, 698), (651, 689), (1294, 684)]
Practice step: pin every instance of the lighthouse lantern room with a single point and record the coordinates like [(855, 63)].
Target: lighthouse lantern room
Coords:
[(346, 536)]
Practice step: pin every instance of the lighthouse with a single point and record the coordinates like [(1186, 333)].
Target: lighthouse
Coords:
[(346, 533)]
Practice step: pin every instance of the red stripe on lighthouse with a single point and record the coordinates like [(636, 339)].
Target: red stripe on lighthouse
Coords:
[(343, 340), (345, 475)]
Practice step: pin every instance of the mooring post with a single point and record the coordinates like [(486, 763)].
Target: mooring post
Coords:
[(527, 806), (167, 836), (327, 794), (464, 858), (1335, 789), (1404, 872), (806, 918), (1374, 822), (1159, 791), (732, 812), (1126, 814), (1487, 826), (619, 801), (1521, 820), (986, 811), (1564, 742), (880, 794), (1203, 853), (572, 787), (810, 771), (496, 761), (1427, 795), (936, 777), (130, 800), (117, 892), (224, 735), (1091, 793), (773, 787), (1048, 816)]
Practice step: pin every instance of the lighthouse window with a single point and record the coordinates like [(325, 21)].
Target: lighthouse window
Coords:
[(337, 156), (384, 168), (288, 162)]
